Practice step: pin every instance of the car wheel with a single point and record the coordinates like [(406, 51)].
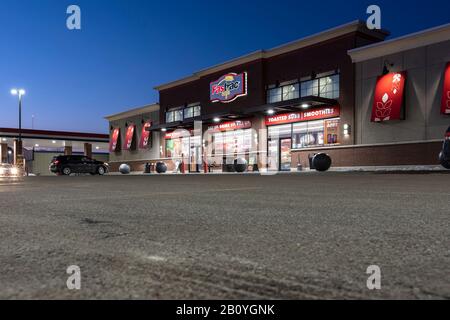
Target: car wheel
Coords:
[(66, 171), (101, 170)]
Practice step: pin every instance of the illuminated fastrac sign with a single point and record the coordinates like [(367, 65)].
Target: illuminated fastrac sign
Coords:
[(228, 88)]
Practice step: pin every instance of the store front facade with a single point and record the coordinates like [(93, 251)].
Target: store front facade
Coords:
[(265, 106), (345, 92)]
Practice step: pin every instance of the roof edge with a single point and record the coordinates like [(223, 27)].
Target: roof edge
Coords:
[(407, 42), (353, 26), (132, 112)]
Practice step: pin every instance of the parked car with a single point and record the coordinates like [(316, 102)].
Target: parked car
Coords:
[(444, 156), (9, 170), (67, 165)]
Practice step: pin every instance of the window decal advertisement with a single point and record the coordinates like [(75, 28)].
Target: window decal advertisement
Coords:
[(389, 97), (114, 140), (145, 136), (313, 114), (228, 88), (445, 108), (231, 125), (129, 137)]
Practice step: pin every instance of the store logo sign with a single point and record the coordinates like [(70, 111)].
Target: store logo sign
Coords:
[(228, 88)]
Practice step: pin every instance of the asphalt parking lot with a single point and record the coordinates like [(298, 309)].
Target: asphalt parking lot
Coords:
[(306, 236)]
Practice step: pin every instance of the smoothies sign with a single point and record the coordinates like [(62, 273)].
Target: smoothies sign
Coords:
[(129, 137), (114, 140), (314, 114), (445, 109), (145, 135), (389, 97), (228, 88)]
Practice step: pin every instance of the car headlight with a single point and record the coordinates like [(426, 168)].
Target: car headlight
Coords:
[(14, 171)]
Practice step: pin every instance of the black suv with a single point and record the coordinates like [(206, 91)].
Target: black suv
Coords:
[(66, 165), (444, 156)]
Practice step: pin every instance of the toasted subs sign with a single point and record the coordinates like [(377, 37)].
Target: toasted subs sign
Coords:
[(314, 114), (389, 97), (445, 109), (228, 88)]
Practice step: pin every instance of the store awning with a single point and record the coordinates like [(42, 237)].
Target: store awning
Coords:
[(293, 105)]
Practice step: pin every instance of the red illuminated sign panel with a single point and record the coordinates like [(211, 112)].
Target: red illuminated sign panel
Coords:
[(114, 140), (180, 133), (129, 137), (313, 114), (445, 109), (145, 136), (389, 97), (232, 125)]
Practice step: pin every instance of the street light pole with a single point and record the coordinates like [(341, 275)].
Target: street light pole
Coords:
[(20, 93)]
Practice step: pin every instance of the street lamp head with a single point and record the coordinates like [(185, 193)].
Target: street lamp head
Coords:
[(19, 92)]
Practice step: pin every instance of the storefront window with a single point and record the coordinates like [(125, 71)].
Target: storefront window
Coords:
[(192, 112), (177, 147), (310, 88), (291, 92), (308, 134), (274, 95), (174, 115), (233, 142), (329, 87)]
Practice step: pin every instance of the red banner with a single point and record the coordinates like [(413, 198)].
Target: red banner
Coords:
[(313, 114), (389, 97), (445, 109), (231, 125), (129, 137), (145, 135), (114, 139)]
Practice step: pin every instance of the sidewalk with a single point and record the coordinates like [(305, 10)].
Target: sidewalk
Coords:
[(383, 169)]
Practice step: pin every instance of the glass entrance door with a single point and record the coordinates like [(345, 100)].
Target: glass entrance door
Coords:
[(195, 155), (273, 155), (285, 154)]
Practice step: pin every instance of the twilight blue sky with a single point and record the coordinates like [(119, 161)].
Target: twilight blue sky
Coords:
[(126, 47)]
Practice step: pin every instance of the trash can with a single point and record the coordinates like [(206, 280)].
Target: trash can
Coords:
[(240, 165), (444, 156), (321, 162), (147, 168), (161, 167), (311, 158)]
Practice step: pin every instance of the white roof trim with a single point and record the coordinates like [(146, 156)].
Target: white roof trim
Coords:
[(347, 28), (407, 42), (133, 112)]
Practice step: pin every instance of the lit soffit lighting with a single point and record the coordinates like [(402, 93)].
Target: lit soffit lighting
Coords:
[(270, 112), (216, 120), (54, 141), (305, 106), (163, 129)]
